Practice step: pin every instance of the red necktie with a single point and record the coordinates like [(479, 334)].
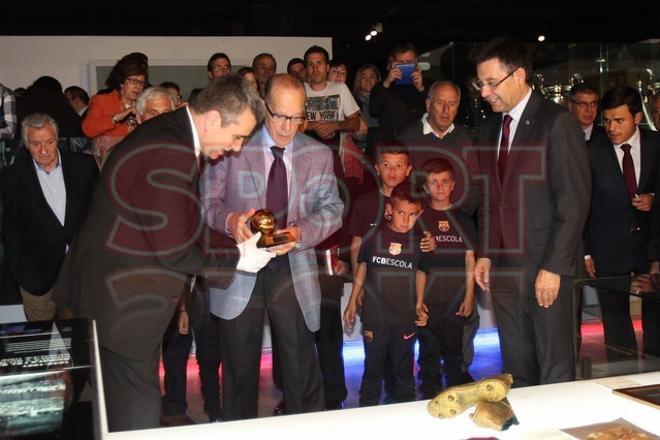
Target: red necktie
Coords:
[(504, 146), (629, 170)]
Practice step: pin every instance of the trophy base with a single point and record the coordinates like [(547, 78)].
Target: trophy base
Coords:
[(275, 239)]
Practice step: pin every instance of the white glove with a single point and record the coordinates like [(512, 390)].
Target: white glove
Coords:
[(252, 258)]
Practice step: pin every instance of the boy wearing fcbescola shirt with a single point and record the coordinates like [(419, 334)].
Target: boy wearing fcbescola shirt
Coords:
[(445, 282), (388, 262)]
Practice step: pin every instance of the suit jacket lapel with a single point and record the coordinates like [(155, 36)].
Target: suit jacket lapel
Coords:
[(612, 163), (523, 133), (645, 159), (254, 155), (71, 202), (488, 155), (299, 173)]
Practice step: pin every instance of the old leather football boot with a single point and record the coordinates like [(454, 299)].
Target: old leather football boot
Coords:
[(494, 415), (456, 399)]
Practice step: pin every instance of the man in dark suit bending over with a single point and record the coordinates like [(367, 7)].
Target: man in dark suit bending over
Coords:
[(534, 165), (145, 232)]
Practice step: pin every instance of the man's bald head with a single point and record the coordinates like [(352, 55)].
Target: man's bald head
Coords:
[(280, 82), (285, 102)]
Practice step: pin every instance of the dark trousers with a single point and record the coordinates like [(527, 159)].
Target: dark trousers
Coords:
[(537, 343), (329, 340), (132, 391), (651, 327), (395, 342), (618, 330), (470, 329), (176, 350), (241, 341), (440, 339)]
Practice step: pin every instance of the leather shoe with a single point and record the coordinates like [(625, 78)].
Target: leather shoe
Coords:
[(494, 415), (333, 404), (455, 400), (176, 420), (280, 408)]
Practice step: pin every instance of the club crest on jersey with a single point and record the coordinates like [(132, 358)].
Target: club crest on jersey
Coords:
[(443, 225), (395, 248)]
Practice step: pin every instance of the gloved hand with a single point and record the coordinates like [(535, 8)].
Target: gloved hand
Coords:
[(252, 258)]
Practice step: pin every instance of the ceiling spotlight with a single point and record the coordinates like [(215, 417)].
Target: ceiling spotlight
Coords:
[(368, 37), (541, 38), (373, 33)]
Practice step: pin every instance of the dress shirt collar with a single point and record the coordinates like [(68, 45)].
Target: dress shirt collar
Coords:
[(633, 141), (517, 111), (426, 127), (196, 141), (57, 165), (269, 142)]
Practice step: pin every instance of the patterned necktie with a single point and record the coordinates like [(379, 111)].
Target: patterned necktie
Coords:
[(629, 170), (277, 200), (504, 146), (277, 196)]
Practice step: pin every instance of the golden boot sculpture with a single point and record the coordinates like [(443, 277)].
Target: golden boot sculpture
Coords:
[(456, 399)]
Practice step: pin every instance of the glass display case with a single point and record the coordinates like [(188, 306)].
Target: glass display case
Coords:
[(44, 369), (556, 68)]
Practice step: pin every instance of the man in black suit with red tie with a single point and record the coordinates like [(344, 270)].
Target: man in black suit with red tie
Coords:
[(145, 233), (533, 162), (624, 172)]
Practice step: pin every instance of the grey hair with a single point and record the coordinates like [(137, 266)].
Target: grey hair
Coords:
[(441, 83), (152, 93), (37, 120)]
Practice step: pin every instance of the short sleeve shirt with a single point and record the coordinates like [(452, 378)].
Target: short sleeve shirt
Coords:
[(392, 259)]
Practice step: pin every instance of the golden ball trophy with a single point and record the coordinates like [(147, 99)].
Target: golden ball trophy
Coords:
[(264, 221)]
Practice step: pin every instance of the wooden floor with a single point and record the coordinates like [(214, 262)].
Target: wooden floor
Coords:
[(487, 362)]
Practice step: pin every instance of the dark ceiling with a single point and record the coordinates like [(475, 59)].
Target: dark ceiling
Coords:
[(428, 24)]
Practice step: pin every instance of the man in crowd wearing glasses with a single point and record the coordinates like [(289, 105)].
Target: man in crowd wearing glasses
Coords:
[(583, 103), (292, 175), (218, 65), (534, 161)]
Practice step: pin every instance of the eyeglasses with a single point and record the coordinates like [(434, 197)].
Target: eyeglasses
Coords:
[(586, 104), (480, 85), (135, 82), (296, 120), (222, 68)]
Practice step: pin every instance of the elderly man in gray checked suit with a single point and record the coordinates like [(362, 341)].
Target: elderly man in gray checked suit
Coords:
[(292, 175)]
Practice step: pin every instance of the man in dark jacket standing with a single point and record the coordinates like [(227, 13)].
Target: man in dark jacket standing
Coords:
[(45, 195)]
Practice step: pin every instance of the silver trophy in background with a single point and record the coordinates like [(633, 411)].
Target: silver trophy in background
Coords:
[(647, 88), (558, 93)]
